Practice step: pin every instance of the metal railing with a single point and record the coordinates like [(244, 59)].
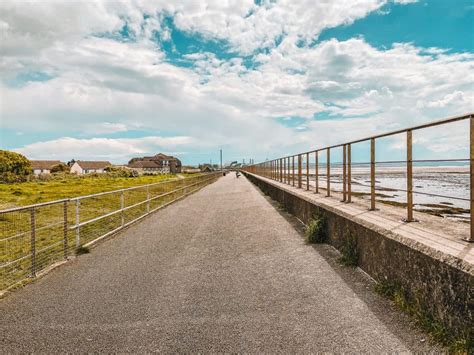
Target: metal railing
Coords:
[(35, 237), (290, 170)]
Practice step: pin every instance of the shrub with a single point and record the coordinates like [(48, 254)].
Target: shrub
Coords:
[(350, 255), (60, 168), (14, 167), (316, 230), (116, 171)]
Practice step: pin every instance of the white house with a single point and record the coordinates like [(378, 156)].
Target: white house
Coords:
[(43, 166), (86, 167)]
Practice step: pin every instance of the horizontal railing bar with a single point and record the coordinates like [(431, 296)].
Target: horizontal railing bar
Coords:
[(126, 224), (29, 231), (20, 208), (131, 206), (15, 261), (391, 133), (16, 209), (141, 217)]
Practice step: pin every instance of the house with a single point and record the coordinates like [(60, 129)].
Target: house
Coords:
[(86, 167), (157, 164), (43, 166)]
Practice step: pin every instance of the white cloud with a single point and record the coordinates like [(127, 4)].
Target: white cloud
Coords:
[(103, 148), (102, 86)]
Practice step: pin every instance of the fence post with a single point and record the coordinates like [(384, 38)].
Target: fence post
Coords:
[(299, 171), (65, 229), (307, 171), (293, 164), (349, 184), (78, 218), (148, 198), (328, 172), (281, 171), (316, 170), (344, 173), (409, 176), (33, 241), (372, 173), (121, 207), (471, 172)]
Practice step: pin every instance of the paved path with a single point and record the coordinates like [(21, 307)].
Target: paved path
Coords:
[(221, 270)]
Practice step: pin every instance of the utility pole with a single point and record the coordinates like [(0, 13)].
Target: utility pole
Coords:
[(221, 159)]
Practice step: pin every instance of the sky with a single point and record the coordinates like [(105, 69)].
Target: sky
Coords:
[(114, 80)]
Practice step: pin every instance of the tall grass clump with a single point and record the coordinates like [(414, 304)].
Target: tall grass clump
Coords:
[(316, 230), (457, 344), (350, 255)]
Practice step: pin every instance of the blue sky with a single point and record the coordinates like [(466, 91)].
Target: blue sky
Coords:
[(258, 79)]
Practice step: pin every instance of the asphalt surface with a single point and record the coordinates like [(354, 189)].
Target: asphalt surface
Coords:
[(220, 271)]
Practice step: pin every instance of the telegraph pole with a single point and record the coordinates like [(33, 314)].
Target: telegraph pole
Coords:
[(221, 159)]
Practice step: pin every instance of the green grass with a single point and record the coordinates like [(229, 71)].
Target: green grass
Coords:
[(27, 193), (350, 255), (316, 230), (51, 241), (457, 344)]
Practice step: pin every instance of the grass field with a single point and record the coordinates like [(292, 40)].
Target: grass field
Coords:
[(56, 234), (27, 193)]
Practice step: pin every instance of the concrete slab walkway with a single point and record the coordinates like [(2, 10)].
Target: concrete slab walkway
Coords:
[(219, 271)]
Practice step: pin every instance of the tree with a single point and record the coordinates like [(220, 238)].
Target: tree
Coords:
[(14, 167), (60, 168)]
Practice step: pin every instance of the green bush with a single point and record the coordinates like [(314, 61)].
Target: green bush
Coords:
[(14, 167), (60, 168), (116, 171), (350, 255), (316, 230)]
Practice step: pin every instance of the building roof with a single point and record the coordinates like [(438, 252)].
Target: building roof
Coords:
[(156, 158), (84, 164), (144, 164), (43, 164)]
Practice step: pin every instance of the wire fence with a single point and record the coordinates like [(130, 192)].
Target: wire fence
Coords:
[(35, 237), (440, 189)]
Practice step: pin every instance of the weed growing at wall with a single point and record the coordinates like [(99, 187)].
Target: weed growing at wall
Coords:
[(316, 230), (350, 255), (457, 344)]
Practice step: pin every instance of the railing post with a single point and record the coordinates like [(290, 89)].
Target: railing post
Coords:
[(470, 238), (121, 207), (344, 172), (148, 197), (349, 184), (65, 229), (471, 172), (372, 173), (299, 171), (33, 241), (328, 172), (78, 220), (293, 164), (307, 171), (288, 171), (281, 171), (316, 170), (409, 176)]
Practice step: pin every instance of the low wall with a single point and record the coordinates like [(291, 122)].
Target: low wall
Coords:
[(442, 290)]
